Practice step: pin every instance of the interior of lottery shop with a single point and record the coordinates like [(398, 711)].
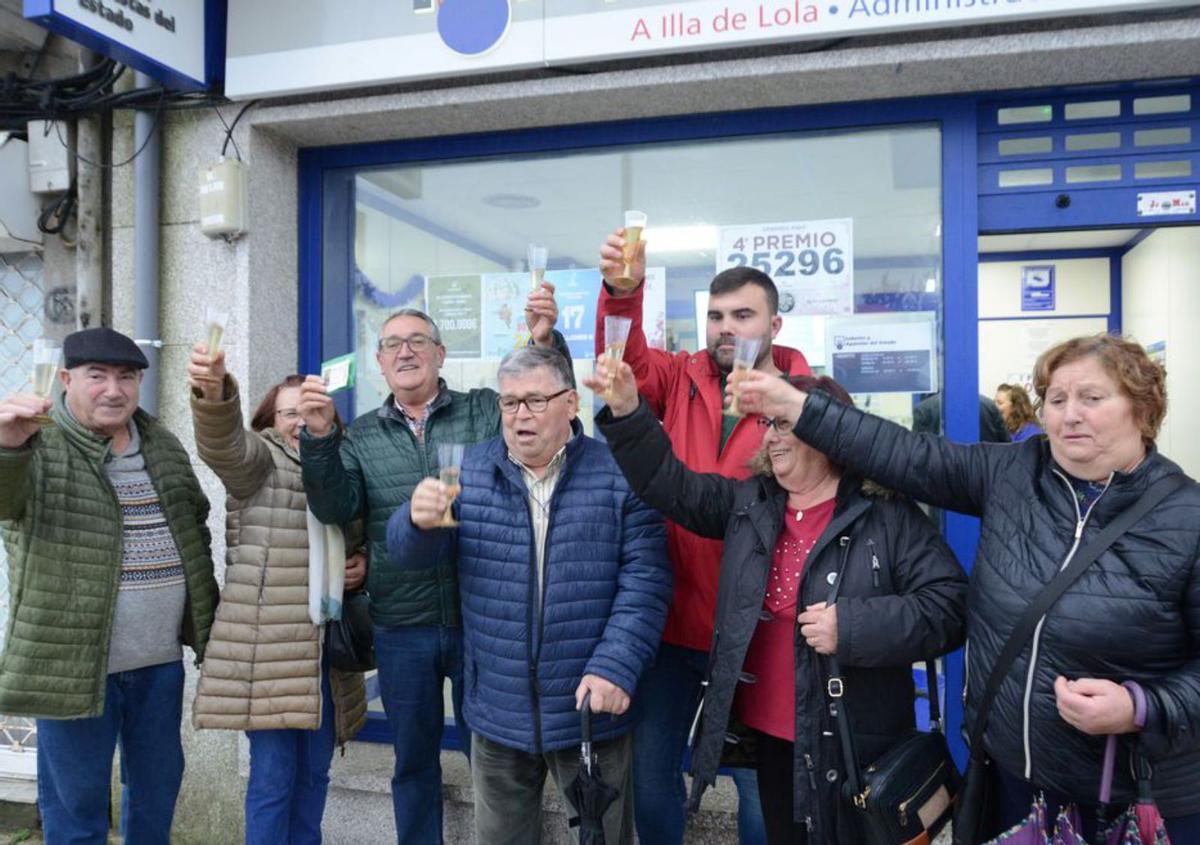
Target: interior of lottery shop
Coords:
[(921, 248)]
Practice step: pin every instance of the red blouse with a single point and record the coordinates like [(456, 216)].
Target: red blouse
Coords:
[(769, 704)]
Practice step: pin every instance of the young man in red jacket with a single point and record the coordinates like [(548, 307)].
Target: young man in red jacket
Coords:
[(686, 392)]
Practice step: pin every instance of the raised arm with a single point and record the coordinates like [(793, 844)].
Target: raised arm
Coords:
[(654, 368), (700, 502), (924, 466), (332, 473), (239, 458)]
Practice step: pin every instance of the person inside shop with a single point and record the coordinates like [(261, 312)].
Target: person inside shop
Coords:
[(1119, 652), (565, 585), (684, 390), (366, 473), (1019, 417), (799, 524)]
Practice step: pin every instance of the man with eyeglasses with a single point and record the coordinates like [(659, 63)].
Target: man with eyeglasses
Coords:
[(565, 584), (368, 474)]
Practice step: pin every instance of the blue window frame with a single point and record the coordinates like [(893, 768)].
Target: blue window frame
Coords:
[(1078, 159), (326, 189)]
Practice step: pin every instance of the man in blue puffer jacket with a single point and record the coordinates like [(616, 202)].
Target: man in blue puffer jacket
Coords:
[(565, 584)]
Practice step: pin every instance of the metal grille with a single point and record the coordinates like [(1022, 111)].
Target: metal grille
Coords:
[(22, 310)]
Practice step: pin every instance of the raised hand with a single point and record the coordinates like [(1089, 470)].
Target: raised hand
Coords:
[(766, 394), (541, 313), (316, 406), (612, 261), (614, 382), (17, 418), (428, 504), (207, 374)]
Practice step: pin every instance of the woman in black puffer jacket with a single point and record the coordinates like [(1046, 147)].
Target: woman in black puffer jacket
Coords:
[(1133, 616), (788, 530)]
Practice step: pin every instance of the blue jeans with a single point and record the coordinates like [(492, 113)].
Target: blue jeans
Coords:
[(289, 778), (142, 711), (414, 663), (667, 696)]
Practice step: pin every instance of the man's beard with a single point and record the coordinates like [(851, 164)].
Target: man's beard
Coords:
[(724, 358)]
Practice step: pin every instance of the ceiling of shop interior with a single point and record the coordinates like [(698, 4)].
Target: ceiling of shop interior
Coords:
[(1035, 241), (887, 180)]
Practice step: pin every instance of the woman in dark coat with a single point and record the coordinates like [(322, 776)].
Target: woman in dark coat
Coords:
[(788, 531), (1124, 640)]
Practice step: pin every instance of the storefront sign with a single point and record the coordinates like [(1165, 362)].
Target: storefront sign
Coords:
[(811, 262), (874, 356), (180, 43), (280, 47), (1166, 203), (1037, 288)]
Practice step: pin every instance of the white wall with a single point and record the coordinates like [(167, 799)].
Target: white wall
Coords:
[(1160, 303), (1009, 347)]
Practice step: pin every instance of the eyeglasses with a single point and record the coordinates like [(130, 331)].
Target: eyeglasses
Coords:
[(782, 425), (418, 343), (288, 414), (535, 402)]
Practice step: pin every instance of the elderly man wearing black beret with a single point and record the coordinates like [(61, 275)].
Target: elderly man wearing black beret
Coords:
[(110, 574)]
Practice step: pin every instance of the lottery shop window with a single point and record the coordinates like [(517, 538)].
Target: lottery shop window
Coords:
[(847, 223)]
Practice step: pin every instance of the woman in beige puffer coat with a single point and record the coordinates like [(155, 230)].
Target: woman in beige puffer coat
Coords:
[(263, 671)]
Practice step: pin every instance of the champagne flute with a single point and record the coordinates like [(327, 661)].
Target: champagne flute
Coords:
[(745, 355), (537, 266), (215, 321), (635, 222), (450, 457), (616, 333), (46, 355)]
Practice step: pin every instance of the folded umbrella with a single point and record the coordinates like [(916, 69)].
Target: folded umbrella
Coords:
[(588, 794), (1141, 823)]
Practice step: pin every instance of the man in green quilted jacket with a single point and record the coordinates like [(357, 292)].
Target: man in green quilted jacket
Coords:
[(368, 474), (110, 575)]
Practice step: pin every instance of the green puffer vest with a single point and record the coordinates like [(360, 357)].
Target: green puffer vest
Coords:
[(63, 533), (372, 471)]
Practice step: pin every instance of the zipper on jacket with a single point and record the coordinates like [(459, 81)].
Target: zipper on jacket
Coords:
[(874, 564), (1080, 521), (534, 683), (812, 778)]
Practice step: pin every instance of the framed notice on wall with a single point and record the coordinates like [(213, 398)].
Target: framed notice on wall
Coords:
[(811, 261), (1037, 288), (896, 354)]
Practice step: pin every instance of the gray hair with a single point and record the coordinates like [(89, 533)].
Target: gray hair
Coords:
[(434, 332), (528, 358)]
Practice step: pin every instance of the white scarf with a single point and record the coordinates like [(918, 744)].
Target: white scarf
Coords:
[(326, 570)]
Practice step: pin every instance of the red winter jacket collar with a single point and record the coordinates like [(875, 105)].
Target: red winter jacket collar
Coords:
[(684, 391)]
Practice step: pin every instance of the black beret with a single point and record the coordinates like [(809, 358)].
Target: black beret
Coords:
[(102, 346)]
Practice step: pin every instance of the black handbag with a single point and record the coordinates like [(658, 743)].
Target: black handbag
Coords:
[(350, 641), (907, 795), (976, 819)]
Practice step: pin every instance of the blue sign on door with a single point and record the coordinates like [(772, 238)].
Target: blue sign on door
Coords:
[(1037, 288)]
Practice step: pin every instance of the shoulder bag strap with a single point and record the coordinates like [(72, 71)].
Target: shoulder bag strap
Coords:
[(1083, 558), (835, 688)]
